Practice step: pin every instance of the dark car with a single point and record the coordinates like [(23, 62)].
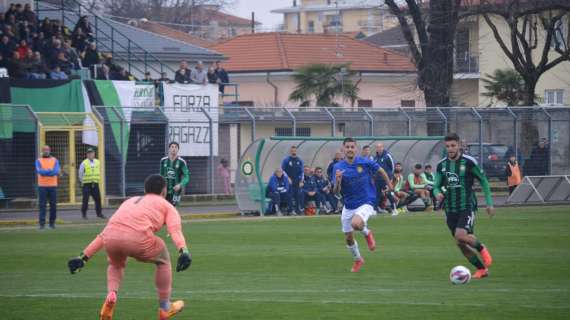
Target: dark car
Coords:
[(494, 158)]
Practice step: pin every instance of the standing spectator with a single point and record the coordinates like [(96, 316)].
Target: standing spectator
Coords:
[(90, 176), (46, 28), (85, 27), (28, 14), (79, 40), (212, 76), (91, 57), (513, 172), (104, 73), (182, 75), (198, 74), (147, 77), (539, 161), (293, 167), (39, 42), (279, 191), (225, 174), (11, 11), (47, 169), (308, 190), (418, 185), (57, 74), (19, 14), (222, 76), (386, 162), (25, 31), (163, 77)]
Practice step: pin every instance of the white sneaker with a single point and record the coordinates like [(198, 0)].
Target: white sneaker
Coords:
[(394, 213)]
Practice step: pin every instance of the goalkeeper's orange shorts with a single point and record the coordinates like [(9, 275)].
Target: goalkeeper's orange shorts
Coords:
[(121, 244)]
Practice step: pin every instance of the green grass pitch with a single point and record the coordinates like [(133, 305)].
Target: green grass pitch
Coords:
[(299, 269)]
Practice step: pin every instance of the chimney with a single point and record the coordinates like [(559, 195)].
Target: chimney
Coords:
[(386, 57)]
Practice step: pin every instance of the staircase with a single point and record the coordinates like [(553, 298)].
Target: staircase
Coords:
[(110, 36)]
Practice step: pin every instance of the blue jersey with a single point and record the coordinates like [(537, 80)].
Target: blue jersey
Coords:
[(356, 187), (293, 167)]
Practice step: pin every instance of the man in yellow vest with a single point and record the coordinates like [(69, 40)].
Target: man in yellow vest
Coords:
[(90, 175), (513, 171), (47, 169)]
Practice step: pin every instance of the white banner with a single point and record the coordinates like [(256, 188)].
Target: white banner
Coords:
[(132, 94), (188, 125)]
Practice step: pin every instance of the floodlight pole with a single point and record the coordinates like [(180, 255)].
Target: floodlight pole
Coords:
[(516, 136), (211, 124), (333, 121), (293, 120)]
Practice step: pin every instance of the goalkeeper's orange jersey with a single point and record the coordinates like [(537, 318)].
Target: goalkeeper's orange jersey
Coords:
[(147, 214)]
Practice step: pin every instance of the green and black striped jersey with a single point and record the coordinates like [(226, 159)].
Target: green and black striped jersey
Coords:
[(458, 176), (175, 172)]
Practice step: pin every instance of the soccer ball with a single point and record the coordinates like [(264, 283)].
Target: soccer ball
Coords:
[(459, 275)]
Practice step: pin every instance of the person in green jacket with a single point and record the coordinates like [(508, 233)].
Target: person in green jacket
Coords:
[(419, 185), (174, 169)]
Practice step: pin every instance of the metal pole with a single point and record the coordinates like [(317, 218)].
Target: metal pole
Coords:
[(37, 123), (444, 120), (409, 120), (480, 135), (211, 166), (371, 126), (293, 119), (252, 117), (333, 121), (549, 139), (516, 135)]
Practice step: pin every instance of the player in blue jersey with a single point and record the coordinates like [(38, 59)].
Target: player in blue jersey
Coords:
[(353, 178)]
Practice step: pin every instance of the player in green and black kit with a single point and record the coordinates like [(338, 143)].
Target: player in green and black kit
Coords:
[(173, 168), (456, 173)]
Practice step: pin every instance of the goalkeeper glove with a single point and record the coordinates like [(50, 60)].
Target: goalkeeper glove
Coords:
[(75, 264), (184, 260)]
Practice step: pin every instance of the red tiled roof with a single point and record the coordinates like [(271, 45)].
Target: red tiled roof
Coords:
[(175, 34), (287, 51)]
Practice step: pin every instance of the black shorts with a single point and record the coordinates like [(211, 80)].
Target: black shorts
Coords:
[(173, 198), (463, 220)]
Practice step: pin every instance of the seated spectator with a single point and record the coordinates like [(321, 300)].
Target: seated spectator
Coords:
[(38, 42), (11, 11), (326, 201), (400, 193), (163, 77), (23, 49), (25, 31), (63, 64), (198, 75), (3, 63), (57, 74), (19, 12), (212, 76), (104, 73), (15, 67), (46, 28), (430, 179), (7, 46), (55, 50), (308, 188), (182, 75), (91, 57), (222, 76), (79, 40), (37, 67), (366, 153), (123, 75), (418, 185), (71, 54), (279, 191)]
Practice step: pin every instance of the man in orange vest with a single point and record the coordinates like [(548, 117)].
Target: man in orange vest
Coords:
[(47, 169), (513, 171)]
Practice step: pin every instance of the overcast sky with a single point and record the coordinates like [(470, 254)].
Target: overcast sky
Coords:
[(262, 8)]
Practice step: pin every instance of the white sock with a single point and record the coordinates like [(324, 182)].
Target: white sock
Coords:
[(354, 251), (365, 231)]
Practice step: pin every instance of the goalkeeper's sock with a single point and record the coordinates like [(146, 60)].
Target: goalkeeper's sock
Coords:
[(476, 262), (114, 277), (478, 246), (365, 231), (354, 251), (164, 304), (163, 281)]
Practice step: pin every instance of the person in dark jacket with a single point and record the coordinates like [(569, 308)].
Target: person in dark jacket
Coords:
[(212, 76), (386, 162), (182, 75), (91, 57), (337, 157), (326, 202), (539, 162), (279, 191), (308, 188), (293, 167), (222, 76)]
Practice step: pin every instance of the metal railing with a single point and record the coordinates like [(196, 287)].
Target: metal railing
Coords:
[(131, 52)]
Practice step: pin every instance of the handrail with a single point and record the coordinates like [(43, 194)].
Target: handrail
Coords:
[(82, 10)]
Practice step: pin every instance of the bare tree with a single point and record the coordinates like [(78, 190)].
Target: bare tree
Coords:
[(431, 43), (538, 36)]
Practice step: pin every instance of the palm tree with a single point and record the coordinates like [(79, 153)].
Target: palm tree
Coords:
[(323, 83), (505, 85)]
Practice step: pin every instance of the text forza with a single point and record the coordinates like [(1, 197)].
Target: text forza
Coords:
[(189, 134), (191, 103)]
